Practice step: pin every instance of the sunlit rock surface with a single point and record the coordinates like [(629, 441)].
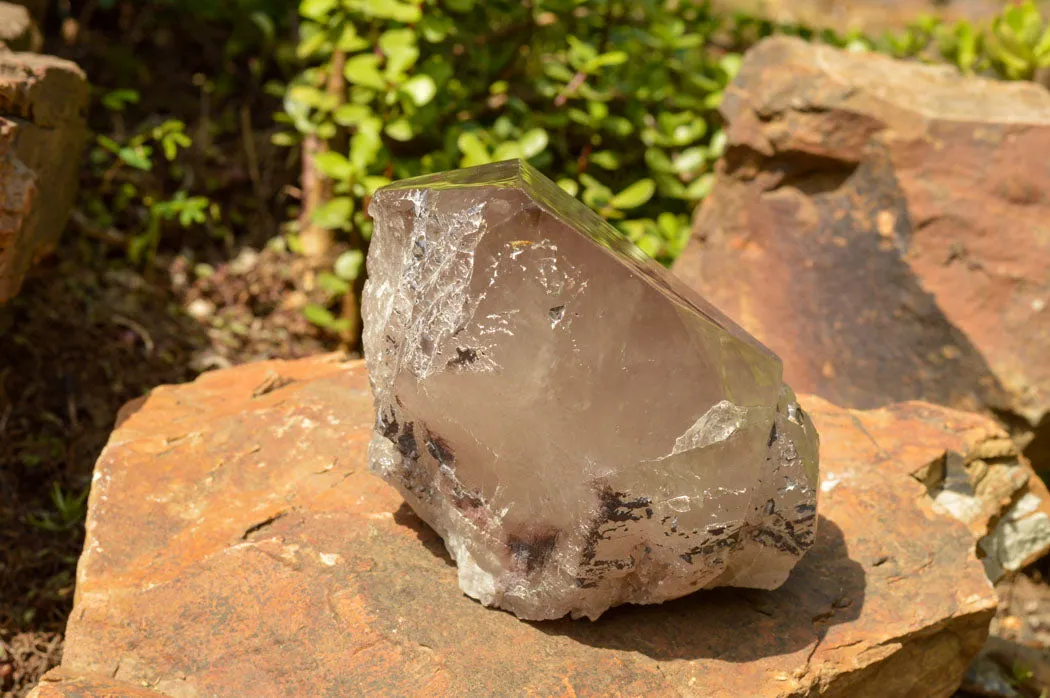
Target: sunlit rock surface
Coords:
[(581, 430)]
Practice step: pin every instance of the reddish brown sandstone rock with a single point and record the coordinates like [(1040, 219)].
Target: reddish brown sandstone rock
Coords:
[(62, 684), (18, 32), (236, 545), (885, 227), (43, 101), (869, 16), (967, 462)]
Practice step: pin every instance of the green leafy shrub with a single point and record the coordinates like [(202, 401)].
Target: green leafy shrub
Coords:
[(68, 513), (613, 99), (1013, 45), (135, 171)]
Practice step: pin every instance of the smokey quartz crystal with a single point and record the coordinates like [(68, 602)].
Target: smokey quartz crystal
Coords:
[(581, 429)]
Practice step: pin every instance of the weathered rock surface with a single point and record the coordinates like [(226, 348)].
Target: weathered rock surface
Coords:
[(43, 101), (972, 470), (883, 226), (518, 350), (62, 684), (237, 545)]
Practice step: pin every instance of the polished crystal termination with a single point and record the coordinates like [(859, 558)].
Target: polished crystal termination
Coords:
[(580, 429)]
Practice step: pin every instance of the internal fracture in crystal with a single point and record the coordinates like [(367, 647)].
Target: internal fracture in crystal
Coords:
[(581, 429)]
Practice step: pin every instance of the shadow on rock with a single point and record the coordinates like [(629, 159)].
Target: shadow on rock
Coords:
[(734, 625), (404, 516), (737, 625)]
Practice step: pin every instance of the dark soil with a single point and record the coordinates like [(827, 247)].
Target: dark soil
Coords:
[(92, 330), (87, 334)]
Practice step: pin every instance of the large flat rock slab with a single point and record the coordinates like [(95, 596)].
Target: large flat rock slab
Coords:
[(236, 545), (883, 226)]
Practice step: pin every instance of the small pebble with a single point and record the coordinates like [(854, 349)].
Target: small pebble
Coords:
[(200, 309), (244, 262)]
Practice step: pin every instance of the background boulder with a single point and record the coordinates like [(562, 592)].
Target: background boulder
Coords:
[(885, 227), (43, 104), (869, 16)]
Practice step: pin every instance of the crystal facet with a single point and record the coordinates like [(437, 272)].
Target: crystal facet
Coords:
[(581, 429)]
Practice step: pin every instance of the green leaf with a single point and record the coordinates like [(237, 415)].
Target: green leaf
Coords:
[(334, 165), (605, 59), (598, 110), (421, 89), (569, 186), (351, 114), (689, 160), (668, 224), (712, 100), (334, 214), (637, 229), (700, 187), (317, 10), (332, 284), (634, 195), (669, 186), (390, 9), (595, 194), (326, 130), (307, 95), (730, 64), (473, 150), (508, 150), (373, 182), (283, 139), (137, 247), (312, 43), (557, 71), (109, 144), (193, 212), (117, 100), (580, 52), (349, 41), (460, 6), (579, 116), (650, 245), (136, 157), (717, 147), (435, 28), (399, 47), (858, 45), (265, 25), (606, 159), (319, 315), (399, 130), (363, 69), (618, 126), (365, 144), (171, 143), (533, 142), (349, 264), (1042, 48)]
